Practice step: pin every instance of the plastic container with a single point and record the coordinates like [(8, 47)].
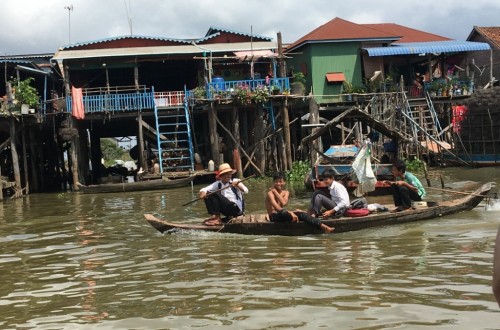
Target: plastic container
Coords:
[(211, 165), (218, 83)]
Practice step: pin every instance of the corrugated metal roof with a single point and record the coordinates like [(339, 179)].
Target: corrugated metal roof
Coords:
[(92, 42), (213, 30), (452, 46), (164, 50)]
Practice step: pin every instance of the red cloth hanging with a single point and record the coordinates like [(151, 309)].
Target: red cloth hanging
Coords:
[(78, 111)]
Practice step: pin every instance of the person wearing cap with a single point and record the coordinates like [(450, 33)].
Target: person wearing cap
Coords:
[(335, 202), (224, 196)]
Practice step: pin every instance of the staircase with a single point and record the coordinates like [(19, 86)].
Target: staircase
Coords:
[(422, 123), (174, 138)]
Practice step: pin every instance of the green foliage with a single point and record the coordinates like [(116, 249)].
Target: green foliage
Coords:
[(298, 172), (260, 94), (299, 77), (111, 151), (415, 165), (347, 87), (25, 93), (200, 92)]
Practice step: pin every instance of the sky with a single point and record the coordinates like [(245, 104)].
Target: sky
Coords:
[(42, 26)]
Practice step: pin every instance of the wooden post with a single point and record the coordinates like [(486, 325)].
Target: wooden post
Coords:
[(314, 120), (13, 150), (25, 161), (236, 135), (280, 56), (74, 139), (212, 126), (140, 143), (260, 153), (286, 134)]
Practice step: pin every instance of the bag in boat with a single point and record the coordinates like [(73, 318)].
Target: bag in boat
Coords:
[(356, 212)]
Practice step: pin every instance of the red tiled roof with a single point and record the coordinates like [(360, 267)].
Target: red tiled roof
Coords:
[(407, 34), (341, 30), (491, 33)]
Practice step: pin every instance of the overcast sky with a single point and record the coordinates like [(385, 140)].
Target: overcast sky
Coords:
[(42, 26)]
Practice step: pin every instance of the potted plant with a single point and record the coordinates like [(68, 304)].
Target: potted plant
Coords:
[(26, 96), (299, 83), (347, 89), (260, 94)]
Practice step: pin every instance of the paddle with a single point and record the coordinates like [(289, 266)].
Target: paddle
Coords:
[(217, 191), (454, 191)]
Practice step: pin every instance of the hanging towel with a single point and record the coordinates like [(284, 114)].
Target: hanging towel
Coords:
[(78, 110)]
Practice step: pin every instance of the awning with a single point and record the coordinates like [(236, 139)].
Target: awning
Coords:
[(335, 77), (433, 47)]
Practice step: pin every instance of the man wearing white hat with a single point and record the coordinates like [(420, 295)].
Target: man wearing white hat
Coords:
[(224, 196)]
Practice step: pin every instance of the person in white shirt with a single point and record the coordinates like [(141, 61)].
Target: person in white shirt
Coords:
[(224, 196), (335, 203)]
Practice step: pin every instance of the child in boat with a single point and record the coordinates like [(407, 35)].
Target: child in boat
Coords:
[(335, 203), (224, 196), (405, 188), (277, 199)]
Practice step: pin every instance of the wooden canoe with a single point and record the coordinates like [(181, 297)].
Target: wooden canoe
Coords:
[(259, 224), (156, 184)]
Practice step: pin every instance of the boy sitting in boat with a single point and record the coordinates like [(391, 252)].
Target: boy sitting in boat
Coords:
[(406, 188), (335, 201), (224, 196), (277, 199)]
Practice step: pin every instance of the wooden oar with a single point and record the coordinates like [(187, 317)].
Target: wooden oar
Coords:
[(455, 192), (217, 191)]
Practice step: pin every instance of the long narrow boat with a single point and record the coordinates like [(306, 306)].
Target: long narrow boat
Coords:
[(260, 225), (156, 184)]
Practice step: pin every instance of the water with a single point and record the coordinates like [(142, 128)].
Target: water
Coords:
[(71, 261)]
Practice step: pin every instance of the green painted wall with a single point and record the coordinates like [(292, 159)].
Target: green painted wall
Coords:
[(329, 57)]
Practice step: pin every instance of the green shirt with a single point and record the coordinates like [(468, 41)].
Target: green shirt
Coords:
[(412, 179)]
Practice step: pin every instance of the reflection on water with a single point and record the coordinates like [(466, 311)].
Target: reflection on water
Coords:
[(71, 261)]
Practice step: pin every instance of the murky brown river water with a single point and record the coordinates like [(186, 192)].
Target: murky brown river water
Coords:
[(71, 261)]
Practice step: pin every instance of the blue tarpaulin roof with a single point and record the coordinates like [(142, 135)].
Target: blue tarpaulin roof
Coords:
[(414, 48)]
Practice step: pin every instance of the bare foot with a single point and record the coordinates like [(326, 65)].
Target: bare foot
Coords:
[(327, 229), (212, 221)]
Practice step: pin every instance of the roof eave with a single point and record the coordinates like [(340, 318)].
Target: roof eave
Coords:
[(308, 42)]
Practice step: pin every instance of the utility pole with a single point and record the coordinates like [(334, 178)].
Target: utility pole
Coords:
[(70, 9)]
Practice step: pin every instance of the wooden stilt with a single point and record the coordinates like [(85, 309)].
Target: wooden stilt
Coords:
[(260, 154), (25, 160), (237, 142), (286, 134), (212, 126), (140, 144), (14, 153)]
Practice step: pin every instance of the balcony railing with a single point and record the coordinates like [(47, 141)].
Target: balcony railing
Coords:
[(213, 88), (169, 99), (115, 102)]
